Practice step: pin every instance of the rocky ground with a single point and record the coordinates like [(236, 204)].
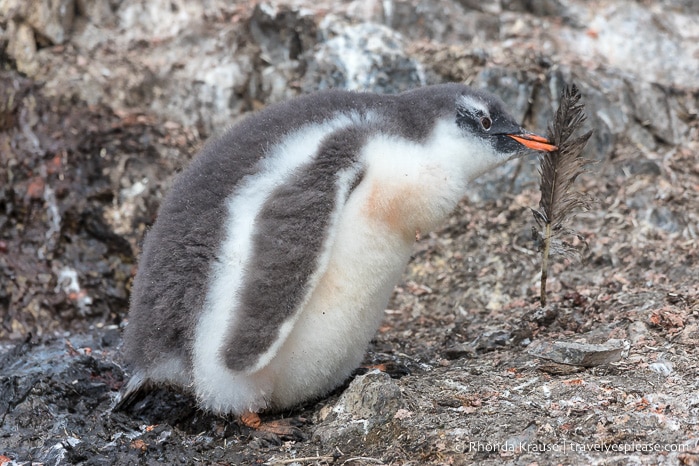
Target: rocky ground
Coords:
[(104, 101)]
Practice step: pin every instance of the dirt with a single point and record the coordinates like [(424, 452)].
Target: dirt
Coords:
[(80, 182)]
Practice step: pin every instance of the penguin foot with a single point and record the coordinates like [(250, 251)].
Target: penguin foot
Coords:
[(395, 370), (285, 429)]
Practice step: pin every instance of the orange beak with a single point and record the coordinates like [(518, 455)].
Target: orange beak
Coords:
[(534, 141)]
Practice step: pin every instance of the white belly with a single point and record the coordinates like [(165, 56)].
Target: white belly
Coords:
[(331, 335)]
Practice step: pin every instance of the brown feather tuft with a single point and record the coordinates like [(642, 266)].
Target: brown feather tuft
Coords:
[(559, 169)]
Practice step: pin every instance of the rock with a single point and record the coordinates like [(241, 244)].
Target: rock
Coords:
[(22, 47), (612, 37), (484, 343), (689, 335), (203, 89), (535, 7), (52, 20), (606, 107), (637, 331), (662, 367), (369, 401), (544, 316), (665, 219), (96, 11), (491, 340), (367, 57), (460, 350), (283, 33), (578, 354), (285, 36), (527, 436), (443, 21), (652, 110)]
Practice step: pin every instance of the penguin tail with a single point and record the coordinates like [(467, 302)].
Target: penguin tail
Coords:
[(133, 392)]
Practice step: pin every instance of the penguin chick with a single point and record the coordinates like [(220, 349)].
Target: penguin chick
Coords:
[(274, 254)]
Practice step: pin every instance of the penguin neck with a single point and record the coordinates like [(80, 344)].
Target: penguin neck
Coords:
[(413, 187)]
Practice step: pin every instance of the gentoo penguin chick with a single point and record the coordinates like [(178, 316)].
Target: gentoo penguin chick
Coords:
[(274, 254)]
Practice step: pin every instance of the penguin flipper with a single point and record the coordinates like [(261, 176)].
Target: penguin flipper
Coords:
[(291, 248)]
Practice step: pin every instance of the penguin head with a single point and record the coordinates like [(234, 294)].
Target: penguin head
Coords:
[(483, 117)]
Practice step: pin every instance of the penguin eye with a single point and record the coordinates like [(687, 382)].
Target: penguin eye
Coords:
[(486, 123)]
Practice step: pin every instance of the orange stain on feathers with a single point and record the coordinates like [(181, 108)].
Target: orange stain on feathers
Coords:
[(393, 208)]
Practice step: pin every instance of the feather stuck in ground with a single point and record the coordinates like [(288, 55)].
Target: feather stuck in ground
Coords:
[(559, 170)]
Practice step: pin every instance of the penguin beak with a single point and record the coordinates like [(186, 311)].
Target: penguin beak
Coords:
[(534, 141)]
